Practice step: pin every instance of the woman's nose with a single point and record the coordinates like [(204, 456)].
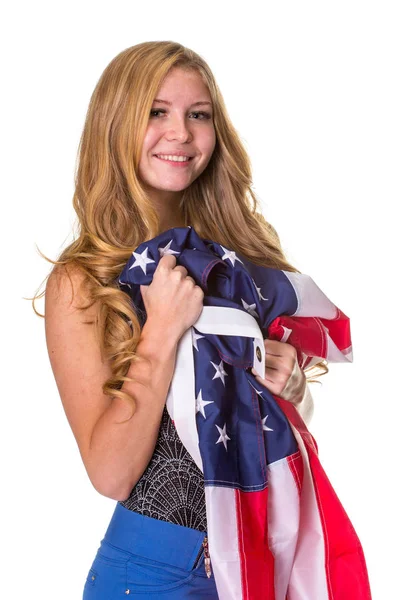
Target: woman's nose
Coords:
[(178, 129)]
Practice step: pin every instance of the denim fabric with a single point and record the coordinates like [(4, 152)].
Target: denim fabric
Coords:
[(150, 558)]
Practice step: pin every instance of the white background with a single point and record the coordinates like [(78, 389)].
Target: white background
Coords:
[(313, 89)]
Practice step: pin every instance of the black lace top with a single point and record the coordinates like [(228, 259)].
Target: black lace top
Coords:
[(172, 486)]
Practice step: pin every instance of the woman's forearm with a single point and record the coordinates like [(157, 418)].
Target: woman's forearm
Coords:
[(119, 453)]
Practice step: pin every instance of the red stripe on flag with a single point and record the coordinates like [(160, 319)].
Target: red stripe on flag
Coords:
[(307, 335), (346, 569), (256, 559), (339, 330), (295, 463)]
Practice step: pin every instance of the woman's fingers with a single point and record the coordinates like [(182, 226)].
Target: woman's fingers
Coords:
[(283, 375)]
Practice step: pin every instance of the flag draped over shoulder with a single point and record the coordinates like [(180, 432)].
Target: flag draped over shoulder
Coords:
[(276, 528)]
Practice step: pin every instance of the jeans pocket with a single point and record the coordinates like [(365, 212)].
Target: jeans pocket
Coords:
[(91, 584), (148, 575), (111, 555), (107, 574), (91, 577)]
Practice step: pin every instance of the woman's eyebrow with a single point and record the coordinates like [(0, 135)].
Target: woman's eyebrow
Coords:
[(201, 102)]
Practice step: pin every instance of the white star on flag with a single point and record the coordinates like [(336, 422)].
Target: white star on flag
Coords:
[(195, 337), (260, 296), (231, 255), (200, 404), (122, 283), (286, 333), (265, 428), (259, 392), (219, 371), (141, 260), (251, 308), (223, 437), (167, 249)]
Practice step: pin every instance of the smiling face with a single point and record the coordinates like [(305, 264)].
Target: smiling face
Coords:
[(180, 122)]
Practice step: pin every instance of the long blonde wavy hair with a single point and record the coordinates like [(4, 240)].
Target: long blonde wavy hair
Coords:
[(115, 215)]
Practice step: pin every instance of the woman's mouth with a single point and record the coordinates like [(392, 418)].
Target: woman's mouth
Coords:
[(175, 161)]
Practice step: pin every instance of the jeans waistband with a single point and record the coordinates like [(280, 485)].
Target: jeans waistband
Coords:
[(153, 538)]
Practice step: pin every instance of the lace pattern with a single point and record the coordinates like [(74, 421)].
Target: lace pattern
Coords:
[(172, 486)]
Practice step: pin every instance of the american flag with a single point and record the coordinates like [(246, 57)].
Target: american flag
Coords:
[(276, 528)]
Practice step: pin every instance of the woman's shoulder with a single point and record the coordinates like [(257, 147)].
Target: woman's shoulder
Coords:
[(66, 287)]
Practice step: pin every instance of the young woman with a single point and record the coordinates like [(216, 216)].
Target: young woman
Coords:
[(157, 151)]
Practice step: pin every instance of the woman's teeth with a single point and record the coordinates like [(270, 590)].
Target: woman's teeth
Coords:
[(174, 158)]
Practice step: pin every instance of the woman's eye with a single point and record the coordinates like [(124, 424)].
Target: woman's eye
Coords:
[(205, 115)]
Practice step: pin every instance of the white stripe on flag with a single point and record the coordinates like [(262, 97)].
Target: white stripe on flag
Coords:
[(336, 355), (312, 302), (181, 401), (308, 579), (223, 541), (283, 522)]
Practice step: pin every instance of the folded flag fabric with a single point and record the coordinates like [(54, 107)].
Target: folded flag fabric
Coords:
[(276, 528)]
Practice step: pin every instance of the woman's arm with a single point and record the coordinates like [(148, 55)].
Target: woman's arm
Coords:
[(114, 455)]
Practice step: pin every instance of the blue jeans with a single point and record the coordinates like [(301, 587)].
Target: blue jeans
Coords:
[(150, 558)]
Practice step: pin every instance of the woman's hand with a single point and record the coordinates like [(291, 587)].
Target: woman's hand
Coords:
[(283, 375), (172, 300)]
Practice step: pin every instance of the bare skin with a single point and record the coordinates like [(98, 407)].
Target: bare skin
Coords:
[(178, 124), (115, 455)]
